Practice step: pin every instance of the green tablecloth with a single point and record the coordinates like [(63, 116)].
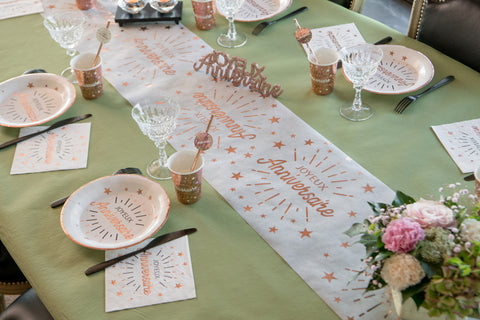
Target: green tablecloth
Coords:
[(237, 275)]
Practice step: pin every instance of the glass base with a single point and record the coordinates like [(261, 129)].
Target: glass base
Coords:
[(69, 74), (356, 115), (239, 40), (157, 171)]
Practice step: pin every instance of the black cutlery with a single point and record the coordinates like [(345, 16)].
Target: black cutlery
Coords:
[(405, 102), (470, 177), (58, 124), (155, 242), (128, 170), (265, 24)]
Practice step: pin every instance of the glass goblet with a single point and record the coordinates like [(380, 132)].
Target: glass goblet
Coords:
[(360, 63), (230, 39), (66, 29), (157, 119)]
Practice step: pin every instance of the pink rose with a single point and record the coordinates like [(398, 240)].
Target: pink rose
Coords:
[(430, 214), (402, 235)]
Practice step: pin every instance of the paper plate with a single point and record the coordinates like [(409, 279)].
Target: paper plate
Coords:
[(33, 99), (114, 212), (401, 70), (256, 10)]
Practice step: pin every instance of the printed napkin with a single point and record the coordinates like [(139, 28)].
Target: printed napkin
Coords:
[(159, 275), (462, 142), (335, 37), (59, 149)]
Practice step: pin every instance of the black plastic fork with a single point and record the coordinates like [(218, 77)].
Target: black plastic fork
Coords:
[(405, 102)]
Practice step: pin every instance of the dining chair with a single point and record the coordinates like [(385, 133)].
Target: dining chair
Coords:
[(26, 307), (354, 5), (450, 26), (12, 280)]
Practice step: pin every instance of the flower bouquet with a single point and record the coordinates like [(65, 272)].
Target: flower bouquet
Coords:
[(425, 250)]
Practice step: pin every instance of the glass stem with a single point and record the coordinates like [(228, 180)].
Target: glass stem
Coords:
[(357, 102), (162, 159), (232, 32)]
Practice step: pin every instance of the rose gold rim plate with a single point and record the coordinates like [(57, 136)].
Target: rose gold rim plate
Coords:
[(33, 99), (257, 10), (115, 212), (401, 70)]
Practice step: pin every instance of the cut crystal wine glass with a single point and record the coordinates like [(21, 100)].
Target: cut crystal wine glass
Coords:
[(157, 119), (360, 63), (232, 38), (66, 29)]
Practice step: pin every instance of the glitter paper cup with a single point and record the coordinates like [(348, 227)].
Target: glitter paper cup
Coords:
[(188, 184), (323, 70), (477, 183), (204, 11), (89, 76), (85, 4)]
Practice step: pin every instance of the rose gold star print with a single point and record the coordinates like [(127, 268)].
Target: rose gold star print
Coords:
[(247, 208), (274, 120), (231, 149), (278, 145), (30, 85), (345, 245), (305, 233), (308, 142), (107, 191), (248, 155), (273, 229), (329, 276), (139, 191), (236, 176), (352, 214), (368, 188), (178, 285), (337, 299)]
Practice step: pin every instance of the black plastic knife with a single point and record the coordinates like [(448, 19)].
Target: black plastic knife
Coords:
[(155, 242), (58, 124)]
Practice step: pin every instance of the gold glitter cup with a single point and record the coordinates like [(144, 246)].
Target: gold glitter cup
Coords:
[(204, 12), (85, 4), (323, 67), (89, 76), (187, 182)]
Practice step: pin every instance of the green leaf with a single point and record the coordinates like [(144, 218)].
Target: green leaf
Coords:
[(402, 198), (378, 207), (416, 292), (431, 269), (358, 228)]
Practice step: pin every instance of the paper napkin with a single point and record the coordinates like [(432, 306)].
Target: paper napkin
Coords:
[(159, 275), (462, 142), (59, 149)]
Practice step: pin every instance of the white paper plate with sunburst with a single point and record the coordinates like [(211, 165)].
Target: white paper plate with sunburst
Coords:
[(256, 10), (33, 99), (115, 212), (401, 70)]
